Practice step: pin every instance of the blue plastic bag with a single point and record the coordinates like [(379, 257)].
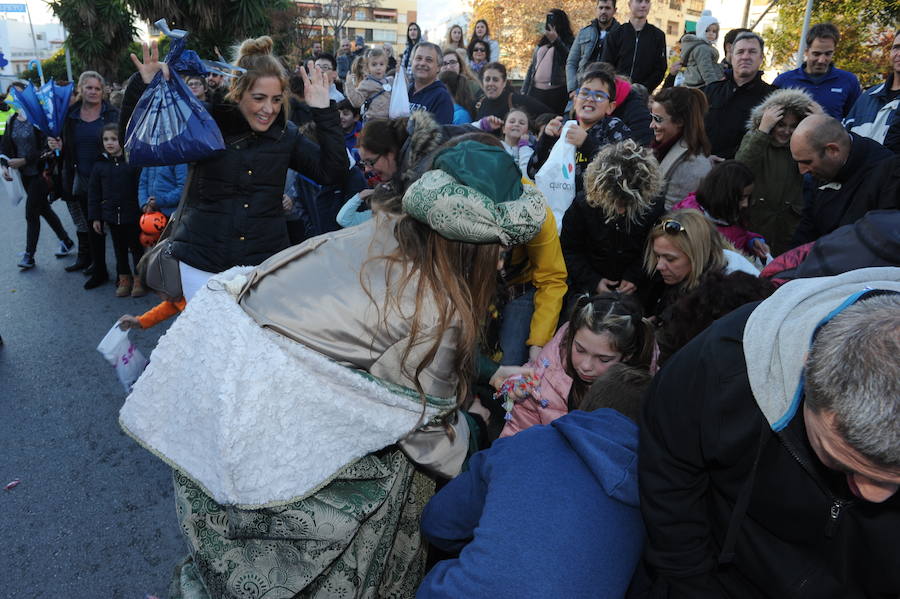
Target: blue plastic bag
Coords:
[(169, 125)]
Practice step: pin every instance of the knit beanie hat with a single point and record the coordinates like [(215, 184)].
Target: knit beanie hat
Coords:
[(706, 19)]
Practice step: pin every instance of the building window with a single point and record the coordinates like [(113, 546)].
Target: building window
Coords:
[(361, 15), (401, 18), (672, 28), (384, 35), (675, 4)]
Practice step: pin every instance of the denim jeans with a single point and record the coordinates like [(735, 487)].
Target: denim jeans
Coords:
[(515, 328)]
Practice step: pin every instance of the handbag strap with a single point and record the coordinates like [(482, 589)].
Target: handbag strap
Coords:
[(170, 227)]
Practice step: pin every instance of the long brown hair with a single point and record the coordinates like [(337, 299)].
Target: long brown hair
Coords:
[(687, 107), (453, 279), (621, 318)]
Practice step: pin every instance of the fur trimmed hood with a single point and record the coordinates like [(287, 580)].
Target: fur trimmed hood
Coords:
[(795, 100), (425, 136)]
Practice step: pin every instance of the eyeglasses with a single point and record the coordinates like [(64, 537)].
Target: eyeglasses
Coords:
[(324, 67), (671, 226), (195, 84), (447, 63), (594, 95), (474, 50), (370, 162)]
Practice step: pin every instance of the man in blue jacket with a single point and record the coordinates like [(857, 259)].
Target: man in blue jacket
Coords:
[(876, 109), (426, 92), (834, 89), (549, 512)]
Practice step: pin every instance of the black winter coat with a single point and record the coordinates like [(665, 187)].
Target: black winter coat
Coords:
[(108, 114), (595, 249), (558, 73), (870, 180), (233, 209), (803, 534), (729, 111), (639, 55), (113, 191), (37, 156)]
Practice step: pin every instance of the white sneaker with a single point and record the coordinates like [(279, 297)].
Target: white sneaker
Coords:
[(64, 249)]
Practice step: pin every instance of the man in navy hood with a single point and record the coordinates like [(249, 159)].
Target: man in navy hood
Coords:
[(549, 512)]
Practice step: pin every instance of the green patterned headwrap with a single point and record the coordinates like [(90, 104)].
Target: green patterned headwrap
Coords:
[(489, 169), (463, 213)]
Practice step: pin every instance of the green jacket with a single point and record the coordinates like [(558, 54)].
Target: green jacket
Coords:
[(701, 61), (777, 190)]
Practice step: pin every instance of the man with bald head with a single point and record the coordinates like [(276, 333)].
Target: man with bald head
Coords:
[(851, 175)]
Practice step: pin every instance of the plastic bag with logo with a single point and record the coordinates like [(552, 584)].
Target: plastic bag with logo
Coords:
[(169, 125), (121, 353), (556, 179)]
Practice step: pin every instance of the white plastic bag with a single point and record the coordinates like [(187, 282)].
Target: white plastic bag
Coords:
[(399, 106), (13, 190), (556, 179), (121, 353)]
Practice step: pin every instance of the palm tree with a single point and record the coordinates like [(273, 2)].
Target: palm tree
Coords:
[(212, 23), (100, 31)]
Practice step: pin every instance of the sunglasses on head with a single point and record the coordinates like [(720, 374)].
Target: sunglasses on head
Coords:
[(671, 226)]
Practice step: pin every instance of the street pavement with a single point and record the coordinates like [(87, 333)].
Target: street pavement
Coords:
[(93, 516)]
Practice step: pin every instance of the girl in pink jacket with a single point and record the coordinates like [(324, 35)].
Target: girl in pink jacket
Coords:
[(604, 329)]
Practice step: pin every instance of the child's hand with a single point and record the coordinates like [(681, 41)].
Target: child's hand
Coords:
[(150, 206), (286, 202), (554, 127), (98, 227), (576, 136), (491, 123), (760, 249), (129, 322), (770, 118)]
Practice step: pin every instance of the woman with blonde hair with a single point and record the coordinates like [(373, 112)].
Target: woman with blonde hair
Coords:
[(233, 212), (80, 147), (683, 246), (455, 38)]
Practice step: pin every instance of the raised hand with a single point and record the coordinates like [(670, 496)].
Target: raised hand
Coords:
[(316, 87), (150, 65), (770, 118)]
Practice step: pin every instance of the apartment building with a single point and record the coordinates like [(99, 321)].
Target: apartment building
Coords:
[(384, 22)]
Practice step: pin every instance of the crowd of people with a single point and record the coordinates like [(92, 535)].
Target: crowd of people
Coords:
[(682, 383)]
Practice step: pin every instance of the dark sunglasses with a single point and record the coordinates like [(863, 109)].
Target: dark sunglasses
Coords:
[(671, 226)]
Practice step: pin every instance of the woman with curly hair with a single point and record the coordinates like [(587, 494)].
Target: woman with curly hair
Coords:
[(604, 231)]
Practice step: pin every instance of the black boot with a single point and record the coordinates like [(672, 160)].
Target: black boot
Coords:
[(83, 258), (98, 261)]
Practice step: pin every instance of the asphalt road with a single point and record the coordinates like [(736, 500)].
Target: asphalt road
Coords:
[(93, 516)]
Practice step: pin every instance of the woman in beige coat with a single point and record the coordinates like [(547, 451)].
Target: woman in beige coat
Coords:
[(680, 143)]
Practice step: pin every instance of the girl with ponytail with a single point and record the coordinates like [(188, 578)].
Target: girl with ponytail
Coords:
[(604, 329), (233, 213)]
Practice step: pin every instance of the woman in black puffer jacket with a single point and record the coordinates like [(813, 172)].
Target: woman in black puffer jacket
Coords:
[(234, 214)]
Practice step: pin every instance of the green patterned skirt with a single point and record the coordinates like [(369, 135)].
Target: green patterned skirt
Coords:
[(357, 537)]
